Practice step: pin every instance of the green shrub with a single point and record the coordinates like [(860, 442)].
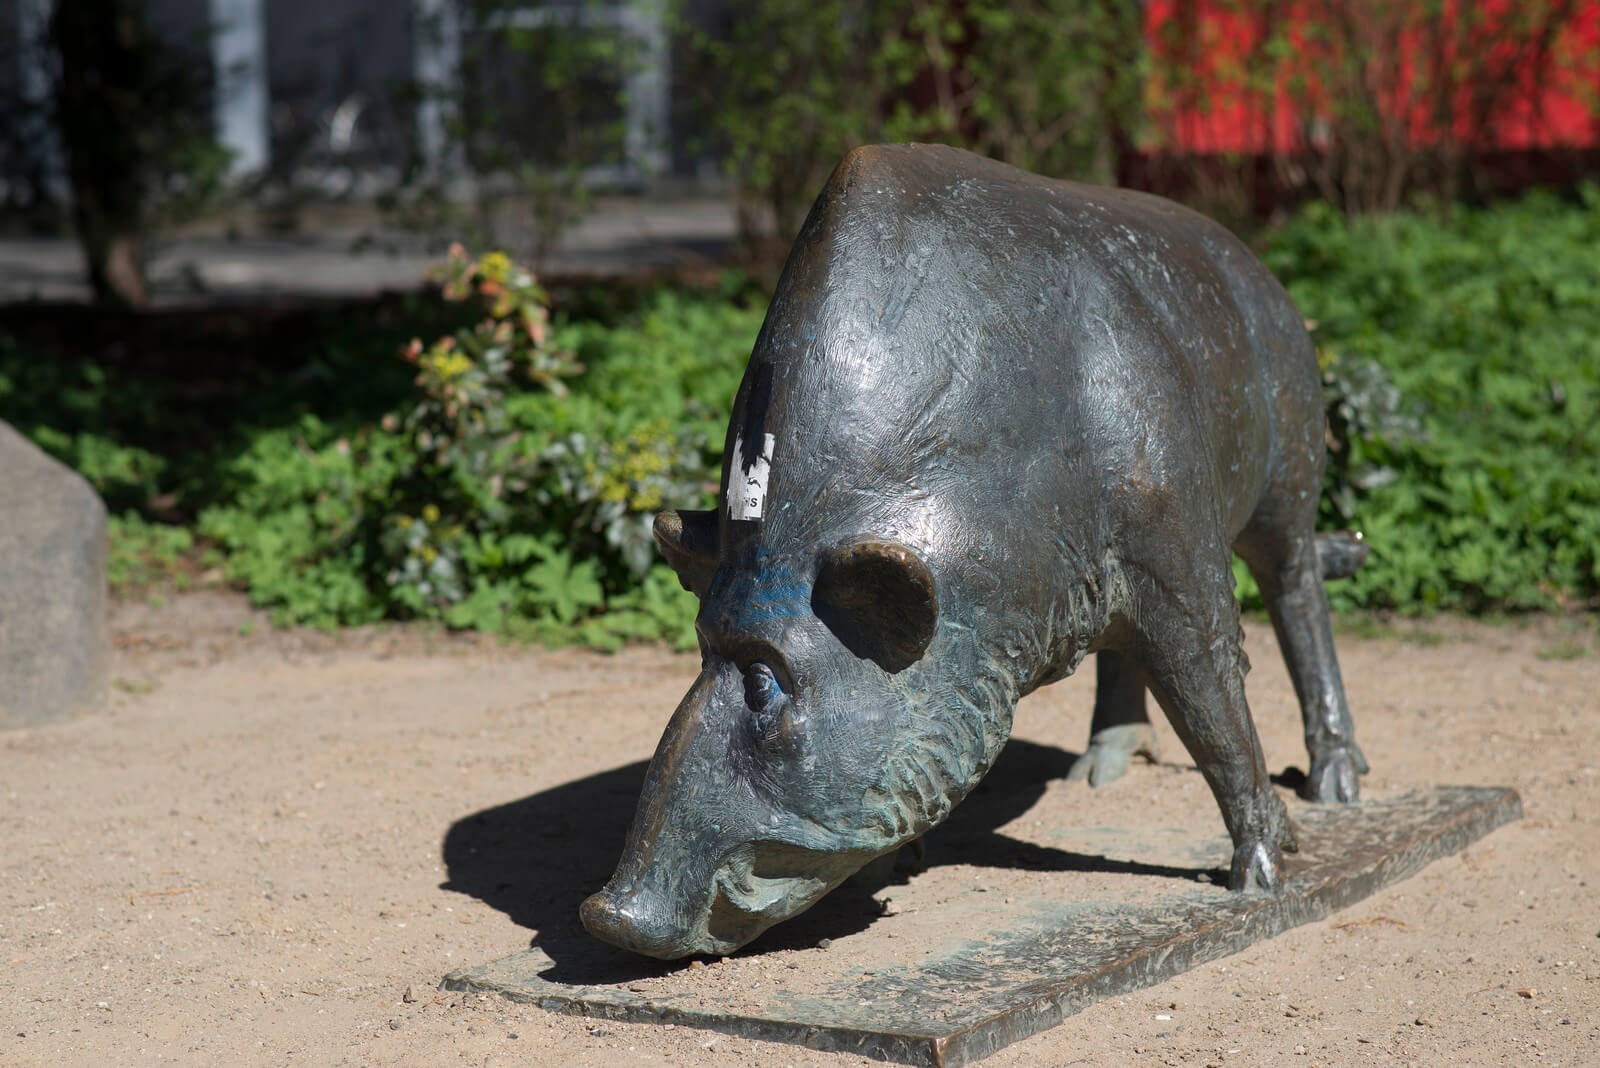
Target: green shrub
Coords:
[(511, 486), (1486, 493), (144, 553), (1461, 363), (516, 490), (60, 409)]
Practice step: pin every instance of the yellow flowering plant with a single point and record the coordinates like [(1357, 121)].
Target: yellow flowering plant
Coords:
[(483, 498), (461, 429)]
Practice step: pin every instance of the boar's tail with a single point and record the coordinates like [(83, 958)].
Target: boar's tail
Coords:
[(1341, 553)]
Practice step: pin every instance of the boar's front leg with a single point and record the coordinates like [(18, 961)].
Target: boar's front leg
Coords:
[(1120, 729), (1191, 645)]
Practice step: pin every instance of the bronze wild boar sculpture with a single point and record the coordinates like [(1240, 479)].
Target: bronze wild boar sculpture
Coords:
[(993, 423)]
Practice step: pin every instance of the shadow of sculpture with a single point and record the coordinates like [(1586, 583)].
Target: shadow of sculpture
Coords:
[(537, 859)]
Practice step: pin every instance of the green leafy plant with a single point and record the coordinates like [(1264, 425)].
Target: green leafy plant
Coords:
[(144, 553), (466, 467), (506, 479), (1472, 461), (515, 491)]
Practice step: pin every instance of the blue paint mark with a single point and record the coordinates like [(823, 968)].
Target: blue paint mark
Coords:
[(766, 592), (754, 615)]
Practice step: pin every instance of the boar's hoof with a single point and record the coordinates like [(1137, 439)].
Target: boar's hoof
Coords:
[(1110, 750), (1256, 866), (1334, 776), (1258, 858)]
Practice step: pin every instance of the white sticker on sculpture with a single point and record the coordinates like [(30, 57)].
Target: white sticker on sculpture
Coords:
[(747, 486)]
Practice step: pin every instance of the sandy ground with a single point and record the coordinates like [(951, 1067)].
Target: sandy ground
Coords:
[(269, 849)]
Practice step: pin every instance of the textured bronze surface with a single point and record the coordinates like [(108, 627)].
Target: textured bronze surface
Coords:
[(1022, 968), (993, 424)]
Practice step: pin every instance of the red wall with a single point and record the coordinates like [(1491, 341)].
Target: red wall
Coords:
[(1556, 101)]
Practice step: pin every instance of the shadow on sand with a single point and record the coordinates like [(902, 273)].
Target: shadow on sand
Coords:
[(536, 859)]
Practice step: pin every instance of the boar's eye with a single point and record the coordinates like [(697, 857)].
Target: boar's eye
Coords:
[(766, 699)]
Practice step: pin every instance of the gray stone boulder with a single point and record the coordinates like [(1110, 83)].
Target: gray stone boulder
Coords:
[(55, 645)]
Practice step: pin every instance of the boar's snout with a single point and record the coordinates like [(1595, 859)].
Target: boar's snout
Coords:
[(757, 885), (622, 922)]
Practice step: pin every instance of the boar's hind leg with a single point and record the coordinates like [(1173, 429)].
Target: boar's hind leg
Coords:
[(1120, 729), (1282, 555), (1192, 650)]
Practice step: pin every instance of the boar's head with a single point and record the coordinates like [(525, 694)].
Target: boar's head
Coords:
[(813, 741)]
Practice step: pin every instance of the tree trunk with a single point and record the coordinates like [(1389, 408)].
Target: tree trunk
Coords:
[(105, 57)]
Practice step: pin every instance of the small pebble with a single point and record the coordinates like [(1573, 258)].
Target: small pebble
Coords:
[(824, 943), (396, 1023), (410, 996)]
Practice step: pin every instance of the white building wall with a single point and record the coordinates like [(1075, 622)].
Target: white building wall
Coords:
[(239, 92)]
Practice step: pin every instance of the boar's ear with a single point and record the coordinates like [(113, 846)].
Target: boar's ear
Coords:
[(688, 540), (877, 598)]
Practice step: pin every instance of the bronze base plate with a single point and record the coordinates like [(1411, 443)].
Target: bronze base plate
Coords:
[(995, 971)]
